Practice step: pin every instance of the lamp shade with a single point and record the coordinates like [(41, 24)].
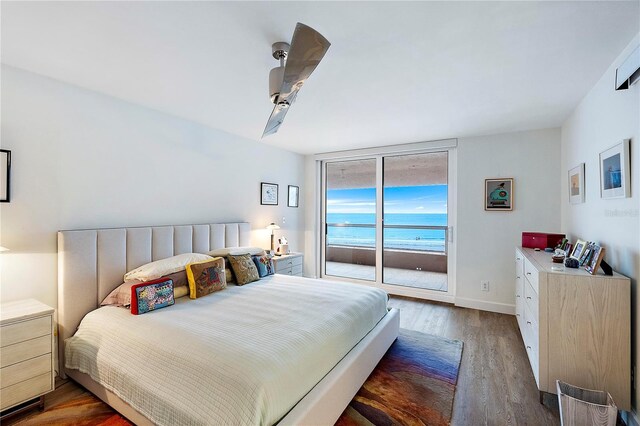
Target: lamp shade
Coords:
[(272, 226)]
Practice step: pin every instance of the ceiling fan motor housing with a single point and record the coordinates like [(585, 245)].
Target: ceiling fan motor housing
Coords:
[(276, 76)]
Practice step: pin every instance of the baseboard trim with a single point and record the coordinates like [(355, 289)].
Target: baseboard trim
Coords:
[(501, 308)]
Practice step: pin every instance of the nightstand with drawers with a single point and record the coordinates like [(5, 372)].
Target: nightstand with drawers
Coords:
[(288, 264), (26, 355)]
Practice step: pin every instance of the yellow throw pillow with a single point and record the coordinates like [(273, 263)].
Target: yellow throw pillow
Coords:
[(206, 277)]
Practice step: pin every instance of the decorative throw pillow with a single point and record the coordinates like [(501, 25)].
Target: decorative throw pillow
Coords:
[(206, 277), (228, 273), (151, 295), (264, 264), (163, 267), (243, 268), (121, 295)]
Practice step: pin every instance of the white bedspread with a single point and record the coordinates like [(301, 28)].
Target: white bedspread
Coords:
[(242, 356)]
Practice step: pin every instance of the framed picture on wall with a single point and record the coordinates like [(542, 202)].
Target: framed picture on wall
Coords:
[(268, 194), (614, 171), (498, 194), (576, 184), (294, 196), (5, 176)]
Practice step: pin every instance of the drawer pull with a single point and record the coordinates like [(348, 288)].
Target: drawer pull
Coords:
[(518, 277), (528, 347), (529, 297), (517, 315), (517, 295), (517, 258), (529, 322), (528, 273)]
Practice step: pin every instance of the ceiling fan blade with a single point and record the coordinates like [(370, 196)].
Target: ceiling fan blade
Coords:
[(308, 47), (275, 120)]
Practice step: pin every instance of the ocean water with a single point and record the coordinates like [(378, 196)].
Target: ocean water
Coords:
[(394, 238)]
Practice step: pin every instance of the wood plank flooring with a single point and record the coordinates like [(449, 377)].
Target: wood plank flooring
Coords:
[(495, 386)]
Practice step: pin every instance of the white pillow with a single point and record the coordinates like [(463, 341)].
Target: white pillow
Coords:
[(222, 252), (163, 267)]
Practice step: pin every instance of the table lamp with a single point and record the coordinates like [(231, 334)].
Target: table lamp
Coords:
[(271, 227)]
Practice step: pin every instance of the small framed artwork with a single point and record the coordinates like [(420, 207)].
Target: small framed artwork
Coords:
[(498, 194), (5, 176), (614, 171), (268, 194), (294, 196), (576, 184), (578, 249), (596, 260)]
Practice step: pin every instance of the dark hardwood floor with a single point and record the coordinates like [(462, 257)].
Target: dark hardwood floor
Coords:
[(495, 386)]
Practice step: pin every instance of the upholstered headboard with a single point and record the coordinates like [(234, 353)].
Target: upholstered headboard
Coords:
[(91, 263)]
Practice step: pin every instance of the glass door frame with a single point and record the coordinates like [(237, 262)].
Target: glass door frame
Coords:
[(448, 146)]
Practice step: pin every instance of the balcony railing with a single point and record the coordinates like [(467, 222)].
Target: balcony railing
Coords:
[(424, 242)]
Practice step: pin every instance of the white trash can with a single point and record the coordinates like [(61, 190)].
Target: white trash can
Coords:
[(585, 407)]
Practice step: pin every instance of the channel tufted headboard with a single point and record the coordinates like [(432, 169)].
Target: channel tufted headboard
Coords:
[(91, 263)]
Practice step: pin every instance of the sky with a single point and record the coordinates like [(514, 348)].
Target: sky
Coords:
[(400, 199)]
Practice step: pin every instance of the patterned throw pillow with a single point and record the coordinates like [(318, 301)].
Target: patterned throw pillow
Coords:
[(121, 295), (231, 279), (243, 268), (264, 265), (206, 277), (151, 295)]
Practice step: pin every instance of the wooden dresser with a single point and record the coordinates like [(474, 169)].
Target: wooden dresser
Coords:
[(288, 264), (576, 327), (26, 355)]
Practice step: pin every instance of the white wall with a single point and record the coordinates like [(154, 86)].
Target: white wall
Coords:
[(486, 241), (602, 119), (85, 160)]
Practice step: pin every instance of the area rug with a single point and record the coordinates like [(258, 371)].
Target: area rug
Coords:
[(413, 384)]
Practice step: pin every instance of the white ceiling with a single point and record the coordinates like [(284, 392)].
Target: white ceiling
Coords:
[(395, 73)]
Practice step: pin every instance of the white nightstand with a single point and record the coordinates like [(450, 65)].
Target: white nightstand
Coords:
[(26, 355), (288, 264)]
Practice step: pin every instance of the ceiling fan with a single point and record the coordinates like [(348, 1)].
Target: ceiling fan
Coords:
[(297, 62)]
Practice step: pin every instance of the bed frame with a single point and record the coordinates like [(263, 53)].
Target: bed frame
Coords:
[(91, 263)]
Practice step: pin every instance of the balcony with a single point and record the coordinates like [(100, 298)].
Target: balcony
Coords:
[(416, 257)]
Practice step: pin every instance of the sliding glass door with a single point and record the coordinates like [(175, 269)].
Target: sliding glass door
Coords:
[(350, 241), (415, 221), (386, 222)]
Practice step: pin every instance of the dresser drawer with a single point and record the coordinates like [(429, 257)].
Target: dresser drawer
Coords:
[(532, 354), (531, 327), (288, 263), (292, 270), (28, 389), (519, 264), (25, 350), (531, 300), (25, 370), (531, 274), (25, 330)]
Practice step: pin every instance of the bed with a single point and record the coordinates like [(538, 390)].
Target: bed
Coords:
[(304, 364)]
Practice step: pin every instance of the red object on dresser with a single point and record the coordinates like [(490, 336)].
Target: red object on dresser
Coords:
[(540, 240)]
